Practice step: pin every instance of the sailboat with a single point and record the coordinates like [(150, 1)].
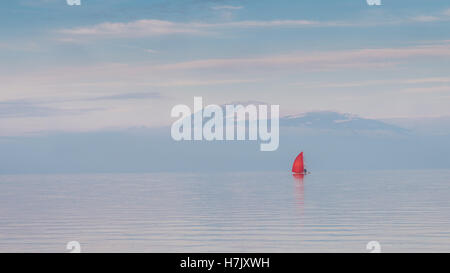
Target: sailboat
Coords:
[(299, 167)]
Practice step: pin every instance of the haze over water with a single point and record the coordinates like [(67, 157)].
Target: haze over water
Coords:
[(227, 212)]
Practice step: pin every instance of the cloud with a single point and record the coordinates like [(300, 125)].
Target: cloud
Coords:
[(246, 102), (151, 51), (273, 23), (227, 12), (138, 28), (130, 96), (429, 80), (143, 28), (28, 108), (425, 18), (111, 79), (227, 7), (443, 16), (321, 60), (434, 89), (155, 27)]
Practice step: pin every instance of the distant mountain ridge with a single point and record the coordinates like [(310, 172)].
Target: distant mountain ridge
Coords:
[(326, 120), (424, 126), (331, 141), (329, 120)]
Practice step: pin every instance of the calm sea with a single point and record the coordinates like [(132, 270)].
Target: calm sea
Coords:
[(227, 212)]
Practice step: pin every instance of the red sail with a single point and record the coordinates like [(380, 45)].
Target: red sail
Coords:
[(298, 166)]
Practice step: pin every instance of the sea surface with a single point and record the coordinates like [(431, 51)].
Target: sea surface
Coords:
[(404, 211)]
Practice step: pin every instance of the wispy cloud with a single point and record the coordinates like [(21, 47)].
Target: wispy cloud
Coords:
[(28, 108), (227, 12), (428, 80), (111, 79), (151, 51), (135, 29), (442, 16), (426, 18), (142, 28), (322, 60), (130, 96), (155, 27), (432, 89), (227, 7), (48, 107)]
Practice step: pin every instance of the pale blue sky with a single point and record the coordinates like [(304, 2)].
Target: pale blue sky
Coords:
[(118, 64)]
